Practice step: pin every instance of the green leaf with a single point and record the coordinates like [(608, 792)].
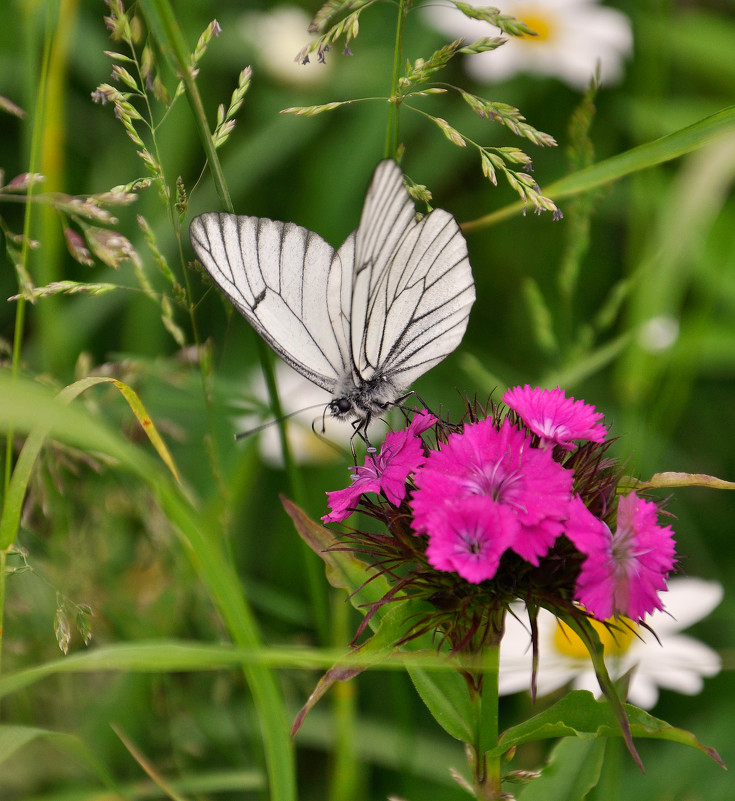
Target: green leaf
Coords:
[(648, 155), (344, 570), (587, 633), (573, 769), (579, 714), (447, 698)]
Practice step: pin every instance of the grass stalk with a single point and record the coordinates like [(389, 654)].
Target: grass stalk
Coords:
[(52, 13), (391, 136)]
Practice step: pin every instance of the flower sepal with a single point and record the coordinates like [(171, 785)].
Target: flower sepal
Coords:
[(585, 630)]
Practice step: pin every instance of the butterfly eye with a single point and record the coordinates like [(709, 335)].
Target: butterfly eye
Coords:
[(340, 406)]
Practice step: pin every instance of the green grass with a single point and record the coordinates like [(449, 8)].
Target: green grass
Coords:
[(211, 622)]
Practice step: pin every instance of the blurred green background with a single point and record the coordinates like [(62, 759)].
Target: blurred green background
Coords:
[(660, 246)]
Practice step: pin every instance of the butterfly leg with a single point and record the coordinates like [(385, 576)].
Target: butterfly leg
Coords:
[(399, 404), (359, 427)]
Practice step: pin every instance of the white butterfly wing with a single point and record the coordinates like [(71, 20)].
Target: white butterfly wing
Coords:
[(412, 286), (288, 284), (363, 322)]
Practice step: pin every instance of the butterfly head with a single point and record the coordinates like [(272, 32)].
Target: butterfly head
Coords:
[(341, 407), (363, 399)]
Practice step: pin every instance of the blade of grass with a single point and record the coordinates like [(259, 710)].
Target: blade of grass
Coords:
[(638, 158), (13, 501), (25, 405), (52, 12), (150, 769), (182, 656), (14, 738)]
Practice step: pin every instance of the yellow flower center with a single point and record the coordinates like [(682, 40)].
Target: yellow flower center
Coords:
[(614, 641), (541, 23)]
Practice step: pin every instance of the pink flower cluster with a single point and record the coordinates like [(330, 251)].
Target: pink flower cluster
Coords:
[(401, 454), (496, 487)]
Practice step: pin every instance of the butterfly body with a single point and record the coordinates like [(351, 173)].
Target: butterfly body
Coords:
[(362, 322), (363, 398)]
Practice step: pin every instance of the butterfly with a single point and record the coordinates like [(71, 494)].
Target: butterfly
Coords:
[(363, 322)]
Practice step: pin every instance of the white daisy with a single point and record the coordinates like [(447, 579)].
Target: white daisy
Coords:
[(572, 37), (674, 662)]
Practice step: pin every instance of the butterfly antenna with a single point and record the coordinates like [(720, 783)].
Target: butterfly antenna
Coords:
[(324, 421), (276, 420), (320, 436)]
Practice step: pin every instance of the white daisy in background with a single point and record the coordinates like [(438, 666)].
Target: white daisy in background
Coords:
[(276, 37), (298, 394), (659, 333), (674, 661), (572, 37)]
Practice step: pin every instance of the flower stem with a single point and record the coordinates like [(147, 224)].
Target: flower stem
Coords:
[(391, 138), (486, 778)]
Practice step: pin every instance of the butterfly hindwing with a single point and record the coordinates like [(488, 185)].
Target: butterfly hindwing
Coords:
[(413, 286), (286, 281)]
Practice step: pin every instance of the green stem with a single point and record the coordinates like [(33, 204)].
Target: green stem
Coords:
[(52, 11), (33, 161), (176, 226), (236, 613), (3, 563), (391, 137), (487, 778), (161, 17), (346, 775)]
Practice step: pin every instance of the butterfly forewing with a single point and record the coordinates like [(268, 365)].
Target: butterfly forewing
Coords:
[(413, 284), (386, 216), (281, 278)]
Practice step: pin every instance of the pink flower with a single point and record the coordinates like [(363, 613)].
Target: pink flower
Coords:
[(499, 464), (470, 536), (555, 418), (400, 455), (422, 421), (625, 571)]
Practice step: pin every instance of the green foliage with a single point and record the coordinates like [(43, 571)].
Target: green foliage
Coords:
[(194, 618)]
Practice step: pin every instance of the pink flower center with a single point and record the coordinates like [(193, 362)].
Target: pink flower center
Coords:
[(472, 544), (553, 430), (497, 482)]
